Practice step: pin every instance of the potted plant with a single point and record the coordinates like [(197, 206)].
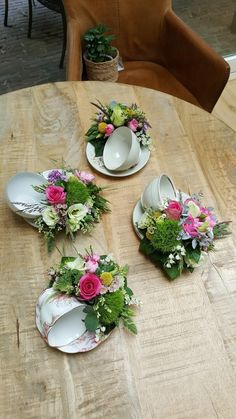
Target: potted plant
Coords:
[(101, 59)]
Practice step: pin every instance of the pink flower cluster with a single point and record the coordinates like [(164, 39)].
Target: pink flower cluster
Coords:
[(90, 284), (195, 218), (85, 177)]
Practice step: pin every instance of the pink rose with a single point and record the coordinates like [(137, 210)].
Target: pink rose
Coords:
[(190, 226), (85, 177), (174, 210), (133, 124), (91, 264), (109, 130), (55, 194), (89, 286)]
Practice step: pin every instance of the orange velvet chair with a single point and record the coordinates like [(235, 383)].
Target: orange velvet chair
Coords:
[(158, 50)]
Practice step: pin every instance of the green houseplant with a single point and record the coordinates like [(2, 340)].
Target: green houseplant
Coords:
[(100, 57)]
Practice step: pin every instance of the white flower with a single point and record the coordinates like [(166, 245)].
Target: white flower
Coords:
[(50, 216), (109, 257), (89, 202), (78, 264), (171, 256), (144, 220), (77, 212), (193, 209)]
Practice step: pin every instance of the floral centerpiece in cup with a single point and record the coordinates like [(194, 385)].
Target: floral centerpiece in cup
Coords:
[(101, 283), (109, 117), (72, 202), (179, 235)]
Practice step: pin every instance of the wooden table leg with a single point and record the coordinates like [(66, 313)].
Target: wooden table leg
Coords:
[(30, 19), (6, 13)]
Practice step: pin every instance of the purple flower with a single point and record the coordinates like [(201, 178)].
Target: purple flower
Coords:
[(55, 175)]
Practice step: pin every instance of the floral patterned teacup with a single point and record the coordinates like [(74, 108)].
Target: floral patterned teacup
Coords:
[(157, 191), (59, 318)]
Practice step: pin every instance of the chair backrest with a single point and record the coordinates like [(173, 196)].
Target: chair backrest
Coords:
[(136, 24)]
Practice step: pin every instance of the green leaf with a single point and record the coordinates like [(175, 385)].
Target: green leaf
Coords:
[(193, 254), (146, 247), (88, 309), (50, 243), (172, 272), (129, 324), (91, 322), (66, 259), (98, 146), (129, 291)]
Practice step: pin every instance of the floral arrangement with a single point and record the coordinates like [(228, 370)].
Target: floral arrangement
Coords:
[(179, 235), (101, 284), (112, 116), (72, 202)]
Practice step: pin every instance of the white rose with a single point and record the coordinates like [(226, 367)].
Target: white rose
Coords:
[(78, 264), (50, 216)]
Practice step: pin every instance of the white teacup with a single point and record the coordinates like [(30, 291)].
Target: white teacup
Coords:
[(19, 190), (157, 191), (59, 318), (122, 150)]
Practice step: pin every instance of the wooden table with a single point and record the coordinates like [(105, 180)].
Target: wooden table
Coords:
[(182, 364)]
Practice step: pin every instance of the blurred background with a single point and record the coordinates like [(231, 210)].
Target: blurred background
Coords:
[(25, 62)]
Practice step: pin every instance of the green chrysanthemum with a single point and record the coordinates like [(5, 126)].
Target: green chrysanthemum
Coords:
[(77, 192), (112, 307), (165, 235)]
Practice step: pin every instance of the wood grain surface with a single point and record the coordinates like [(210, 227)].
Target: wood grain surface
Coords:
[(182, 364)]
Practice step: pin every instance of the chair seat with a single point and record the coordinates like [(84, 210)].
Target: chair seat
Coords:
[(154, 76)]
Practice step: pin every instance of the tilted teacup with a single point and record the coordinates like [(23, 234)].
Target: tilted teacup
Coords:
[(21, 196), (157, 191), (122, 150), (59, 318)]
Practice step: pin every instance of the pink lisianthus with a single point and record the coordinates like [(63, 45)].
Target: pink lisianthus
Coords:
[(133, 124), (85, 177), (89, 286), (109, 130), (210, 218), (191, 225), (55, 195), (91, 264), (174, 210)]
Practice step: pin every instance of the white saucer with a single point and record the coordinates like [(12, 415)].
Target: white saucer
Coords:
[(85, 343), (137, 214), (98, 165)]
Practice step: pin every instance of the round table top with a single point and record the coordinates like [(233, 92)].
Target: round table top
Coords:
[(182, 362)]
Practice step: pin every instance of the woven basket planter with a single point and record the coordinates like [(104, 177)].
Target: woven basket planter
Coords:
[(106, 71)]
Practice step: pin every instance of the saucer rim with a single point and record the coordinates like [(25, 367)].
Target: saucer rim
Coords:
[(144, 158)]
